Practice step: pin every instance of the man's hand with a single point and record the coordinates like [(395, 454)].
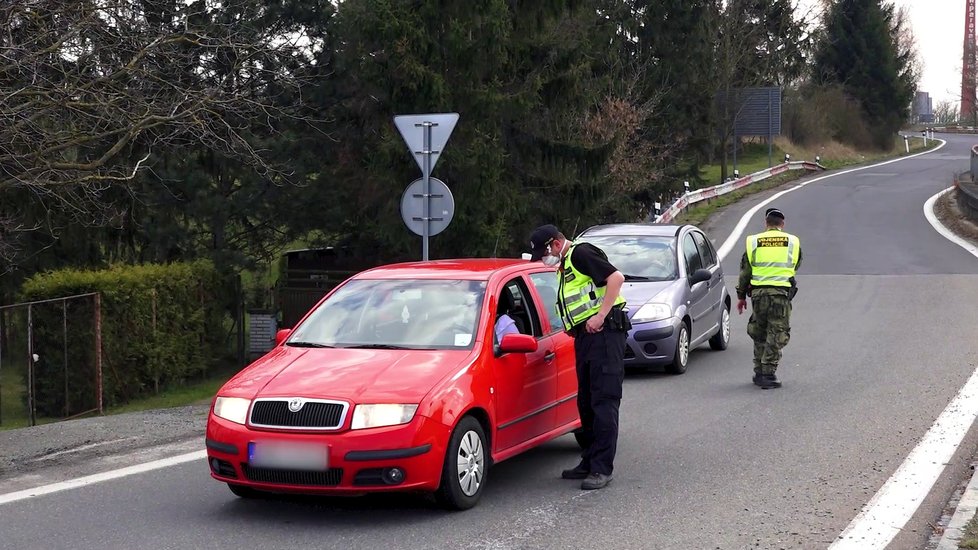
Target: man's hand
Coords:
[(595, 323), (741, 305)]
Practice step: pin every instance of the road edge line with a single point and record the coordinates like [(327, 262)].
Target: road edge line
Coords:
[(885, 515), (943, 229)]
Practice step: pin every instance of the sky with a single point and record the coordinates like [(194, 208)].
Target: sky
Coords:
[(938, 27)]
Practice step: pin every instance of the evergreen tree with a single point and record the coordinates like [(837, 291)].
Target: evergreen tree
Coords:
[(860, 50), (524, 76), (682, 81)]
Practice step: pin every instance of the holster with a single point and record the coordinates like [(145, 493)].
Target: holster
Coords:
[(793, 289), (618, 319)]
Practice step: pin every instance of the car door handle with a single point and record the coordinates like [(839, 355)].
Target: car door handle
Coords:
[(549, 356)]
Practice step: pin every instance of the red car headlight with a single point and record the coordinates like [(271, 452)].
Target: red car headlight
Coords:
[(375, 416), (234, 409)]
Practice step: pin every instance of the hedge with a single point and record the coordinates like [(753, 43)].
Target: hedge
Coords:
[(161, 325)]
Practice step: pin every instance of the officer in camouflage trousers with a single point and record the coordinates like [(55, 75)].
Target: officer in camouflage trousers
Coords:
[(767, 275)]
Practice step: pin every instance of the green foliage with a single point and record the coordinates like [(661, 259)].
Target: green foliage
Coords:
[(572, 112), (820, 114), (861, 50), (160, 325)]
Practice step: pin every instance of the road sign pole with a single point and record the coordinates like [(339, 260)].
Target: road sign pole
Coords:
[(435, 128), (426, 200)]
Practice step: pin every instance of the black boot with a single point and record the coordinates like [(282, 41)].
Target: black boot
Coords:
[(577, 472), (596, 481), (770, 382), (758, 379)]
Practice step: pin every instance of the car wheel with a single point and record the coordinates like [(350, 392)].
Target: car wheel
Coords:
[(582, 441), (681, 358), (721, 339), (464, 473), (244, 492)]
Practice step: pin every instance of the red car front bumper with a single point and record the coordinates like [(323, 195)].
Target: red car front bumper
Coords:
[(359, 461)]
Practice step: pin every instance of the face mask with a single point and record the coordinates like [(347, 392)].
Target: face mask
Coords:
[(551, 260)]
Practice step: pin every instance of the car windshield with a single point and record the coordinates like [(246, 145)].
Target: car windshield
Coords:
[(395, 314), (638, 257)]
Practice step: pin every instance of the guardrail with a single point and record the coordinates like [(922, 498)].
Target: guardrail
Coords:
[(968, 200), (968, 191), (705, 193), (974, 163)]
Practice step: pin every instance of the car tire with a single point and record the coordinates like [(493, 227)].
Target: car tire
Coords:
[(466, 468), (681, 358), (244, 492), (721, 339), (582, 441)]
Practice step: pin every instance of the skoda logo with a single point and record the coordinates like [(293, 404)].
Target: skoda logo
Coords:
[(295, 404)]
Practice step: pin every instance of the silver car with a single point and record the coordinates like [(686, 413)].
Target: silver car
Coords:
[(677, 298)]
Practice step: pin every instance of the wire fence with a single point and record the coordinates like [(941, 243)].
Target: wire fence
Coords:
[(51, 359)]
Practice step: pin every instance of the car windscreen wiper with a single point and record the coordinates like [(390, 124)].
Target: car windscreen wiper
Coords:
[(375, 346), (307, 345), (637, 278)]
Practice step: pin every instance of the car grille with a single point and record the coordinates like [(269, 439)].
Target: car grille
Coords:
[(320, 415), (329, 478)]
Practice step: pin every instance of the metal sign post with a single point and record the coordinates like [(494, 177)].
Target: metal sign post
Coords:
[(435, 129)]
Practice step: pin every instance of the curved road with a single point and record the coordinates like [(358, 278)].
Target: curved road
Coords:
[(883, 338)]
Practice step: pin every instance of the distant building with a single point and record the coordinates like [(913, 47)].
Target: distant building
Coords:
[(923, 109)]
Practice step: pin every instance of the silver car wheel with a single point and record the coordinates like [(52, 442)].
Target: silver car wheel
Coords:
[(471, 461), (683, 344), (725, 324)]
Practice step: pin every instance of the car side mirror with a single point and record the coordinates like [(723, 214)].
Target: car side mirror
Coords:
[(699, 276), (282, 335), (518, 343)]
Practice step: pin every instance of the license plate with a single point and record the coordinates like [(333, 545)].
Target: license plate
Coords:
[(288, 456)]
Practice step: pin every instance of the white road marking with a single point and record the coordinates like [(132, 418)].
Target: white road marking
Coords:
[(898, 499), (893, 505), (882, 518), (734, 238), (940, 227), (104, 476)]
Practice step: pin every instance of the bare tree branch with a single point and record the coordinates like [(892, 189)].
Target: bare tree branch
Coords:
[(90, 89)]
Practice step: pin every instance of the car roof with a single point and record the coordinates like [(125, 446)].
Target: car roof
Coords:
[(477, 269), (641, 229)]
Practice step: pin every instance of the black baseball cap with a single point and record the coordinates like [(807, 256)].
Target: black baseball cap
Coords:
[(539, 240), (773, 212)]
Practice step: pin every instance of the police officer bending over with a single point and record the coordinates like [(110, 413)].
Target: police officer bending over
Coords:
[(767, 275), (593, 312)]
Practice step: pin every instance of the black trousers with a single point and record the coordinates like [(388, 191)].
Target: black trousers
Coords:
[(600, 374)]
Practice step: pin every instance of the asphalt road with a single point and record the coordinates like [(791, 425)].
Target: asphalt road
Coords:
[(883, 337)]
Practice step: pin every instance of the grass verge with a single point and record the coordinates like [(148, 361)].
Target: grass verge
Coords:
[(13, 411), (969, 535), (832, 156)]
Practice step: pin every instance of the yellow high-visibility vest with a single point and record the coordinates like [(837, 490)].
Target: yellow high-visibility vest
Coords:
[(773, 256), (578, 297)]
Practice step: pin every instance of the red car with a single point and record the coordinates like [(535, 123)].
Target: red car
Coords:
[(395, 382)]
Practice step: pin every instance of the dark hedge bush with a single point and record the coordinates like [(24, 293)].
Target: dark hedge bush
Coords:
[(162, 325)]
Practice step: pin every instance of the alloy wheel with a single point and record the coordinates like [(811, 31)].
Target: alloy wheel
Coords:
[(471, 461)]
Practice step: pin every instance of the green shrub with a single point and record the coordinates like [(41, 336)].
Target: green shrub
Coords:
[(819, 114), (160, 325)]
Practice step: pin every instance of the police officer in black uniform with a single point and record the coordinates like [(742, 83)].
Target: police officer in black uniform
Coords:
[(593, 312)]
